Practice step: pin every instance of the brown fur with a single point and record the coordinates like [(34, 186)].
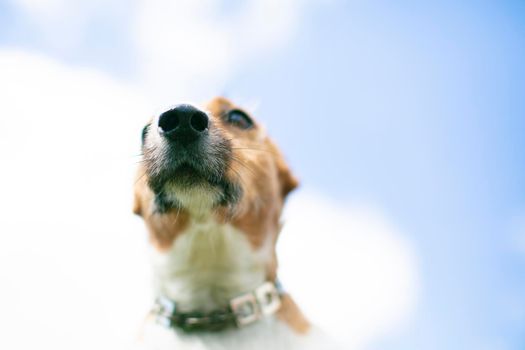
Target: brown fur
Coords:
[(162, 228), (266, 181), (292, 315)]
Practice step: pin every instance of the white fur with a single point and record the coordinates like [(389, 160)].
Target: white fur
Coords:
[(207, 265), (198, 200)]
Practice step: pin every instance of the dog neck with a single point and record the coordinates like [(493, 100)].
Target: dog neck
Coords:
[(208, 264)]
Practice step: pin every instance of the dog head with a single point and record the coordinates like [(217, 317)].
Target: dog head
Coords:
[(216, 162)]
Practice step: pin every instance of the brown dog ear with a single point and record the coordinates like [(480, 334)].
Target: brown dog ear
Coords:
[(288, 181), (138, 191), (137, 204)]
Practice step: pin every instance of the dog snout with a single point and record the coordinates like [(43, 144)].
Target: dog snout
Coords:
[(183, 124)]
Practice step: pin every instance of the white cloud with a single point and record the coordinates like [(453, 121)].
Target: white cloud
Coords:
[(349, 267), (185, 49), (42, 9), (60, 25), (191, 48), (182, 48), (71, 255)]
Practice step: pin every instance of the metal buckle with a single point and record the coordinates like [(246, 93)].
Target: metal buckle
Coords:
[(268, 298), (245, 309), (163, 310), (164, 305)]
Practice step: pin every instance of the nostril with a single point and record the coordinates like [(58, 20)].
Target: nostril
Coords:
[(199, 121), (169, 121)]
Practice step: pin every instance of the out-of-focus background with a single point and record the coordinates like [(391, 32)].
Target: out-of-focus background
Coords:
[(403, 119)]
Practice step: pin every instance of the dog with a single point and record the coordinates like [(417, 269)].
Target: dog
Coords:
[(210, 188)]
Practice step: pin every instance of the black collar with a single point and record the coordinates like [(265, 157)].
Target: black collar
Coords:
[(242, 310)]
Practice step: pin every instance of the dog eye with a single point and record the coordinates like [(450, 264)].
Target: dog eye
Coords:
[(239, 119)]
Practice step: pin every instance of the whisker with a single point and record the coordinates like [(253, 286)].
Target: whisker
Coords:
[(253, 149), (140, 178), (240, 162), (239, 177), (176, 216)]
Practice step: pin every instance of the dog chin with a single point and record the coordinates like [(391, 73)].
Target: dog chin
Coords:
[(198, 196), (198, 199), (196, 190)]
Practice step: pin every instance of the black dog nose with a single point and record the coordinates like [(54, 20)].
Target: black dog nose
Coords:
[(183, 123)]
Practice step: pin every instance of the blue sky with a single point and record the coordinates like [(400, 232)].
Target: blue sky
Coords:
[(416, 107), (420, 108)]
